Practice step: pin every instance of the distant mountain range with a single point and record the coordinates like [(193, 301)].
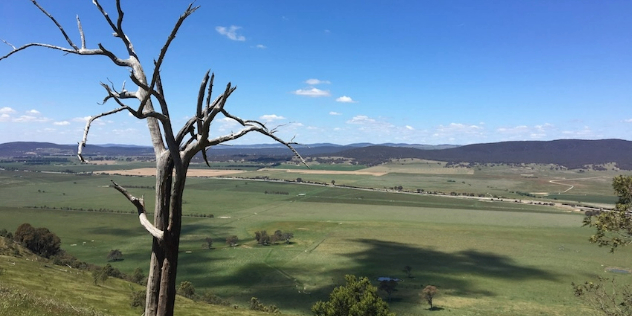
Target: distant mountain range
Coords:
[(571, 153)]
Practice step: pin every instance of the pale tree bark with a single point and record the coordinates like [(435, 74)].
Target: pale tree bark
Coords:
[(173, 151)]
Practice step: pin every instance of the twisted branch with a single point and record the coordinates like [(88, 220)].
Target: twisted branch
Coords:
[(140, 208)]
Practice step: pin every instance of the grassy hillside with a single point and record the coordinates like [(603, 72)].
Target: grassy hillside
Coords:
[(33, 286)]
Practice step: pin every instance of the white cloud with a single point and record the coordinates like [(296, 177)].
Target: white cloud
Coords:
[(33, 112), (6, 110), (313, 92), (316, 81), (410, 128), (260, 46), (230, 32), (81, 119), (627, 121), (361, 119), (29, 118), (334, 113), (457, 129), (345, 99), (62, 123), (4, 117), (521, 132), (271, 117)]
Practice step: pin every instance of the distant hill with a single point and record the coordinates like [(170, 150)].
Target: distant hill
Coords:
[(20, 149), (32, 149), (571, 153)]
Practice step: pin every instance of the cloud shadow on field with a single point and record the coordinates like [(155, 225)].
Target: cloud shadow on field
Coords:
[(444, 269), (458, 272)]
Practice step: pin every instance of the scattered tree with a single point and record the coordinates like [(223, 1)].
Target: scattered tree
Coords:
[(333, 182), (278, 235), (287, 237), (388, 286), (173, 148), (208, 243), (428, 293), (356, 298), (115, 255), (232, 241), (407, 270), (41, 241), (262, 237)]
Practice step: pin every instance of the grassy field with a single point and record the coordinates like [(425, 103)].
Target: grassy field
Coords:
[(486, 258)]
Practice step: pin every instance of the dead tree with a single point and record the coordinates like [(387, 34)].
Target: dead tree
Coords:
[(173, 149)]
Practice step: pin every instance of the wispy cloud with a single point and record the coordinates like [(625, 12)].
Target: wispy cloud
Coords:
[(261, 46), (457, 129), (33, 112), (61, 123), (410, 128), (271, 117), (334, 113), (30, 118), (6, 110), (81, 119), (230, 32), (316, 81), (313, 92), (345, 99), (361, 119), (527, 132)]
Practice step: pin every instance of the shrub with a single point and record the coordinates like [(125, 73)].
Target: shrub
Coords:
[(255, 305), (138, 299), (186, 289)]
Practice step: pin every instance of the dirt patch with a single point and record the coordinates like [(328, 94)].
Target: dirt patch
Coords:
[(356, 172), (103, 162), (191, 173)]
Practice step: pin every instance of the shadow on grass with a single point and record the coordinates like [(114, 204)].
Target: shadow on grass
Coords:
[(279, 284), (444, 269)]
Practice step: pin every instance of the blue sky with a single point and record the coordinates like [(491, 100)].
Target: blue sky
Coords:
[(425, 72)]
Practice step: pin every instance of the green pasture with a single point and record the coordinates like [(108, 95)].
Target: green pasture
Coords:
[(486, 258), (544, 181)]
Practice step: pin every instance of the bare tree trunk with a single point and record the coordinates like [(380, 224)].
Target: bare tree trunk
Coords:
[(173, 151)]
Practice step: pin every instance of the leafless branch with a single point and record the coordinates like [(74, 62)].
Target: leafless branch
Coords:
[(61, 29), (83, 37), (140, 207), (84, 140), (9, 44)]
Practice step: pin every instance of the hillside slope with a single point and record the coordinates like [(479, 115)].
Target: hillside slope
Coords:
[(33, 286), (571, 153)]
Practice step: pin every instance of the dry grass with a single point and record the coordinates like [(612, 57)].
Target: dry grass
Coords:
[(365, 172), (145, 172)]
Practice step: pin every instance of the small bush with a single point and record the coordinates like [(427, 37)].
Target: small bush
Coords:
[(211, 298), (138, 298), (186, 289), (255, 305)]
